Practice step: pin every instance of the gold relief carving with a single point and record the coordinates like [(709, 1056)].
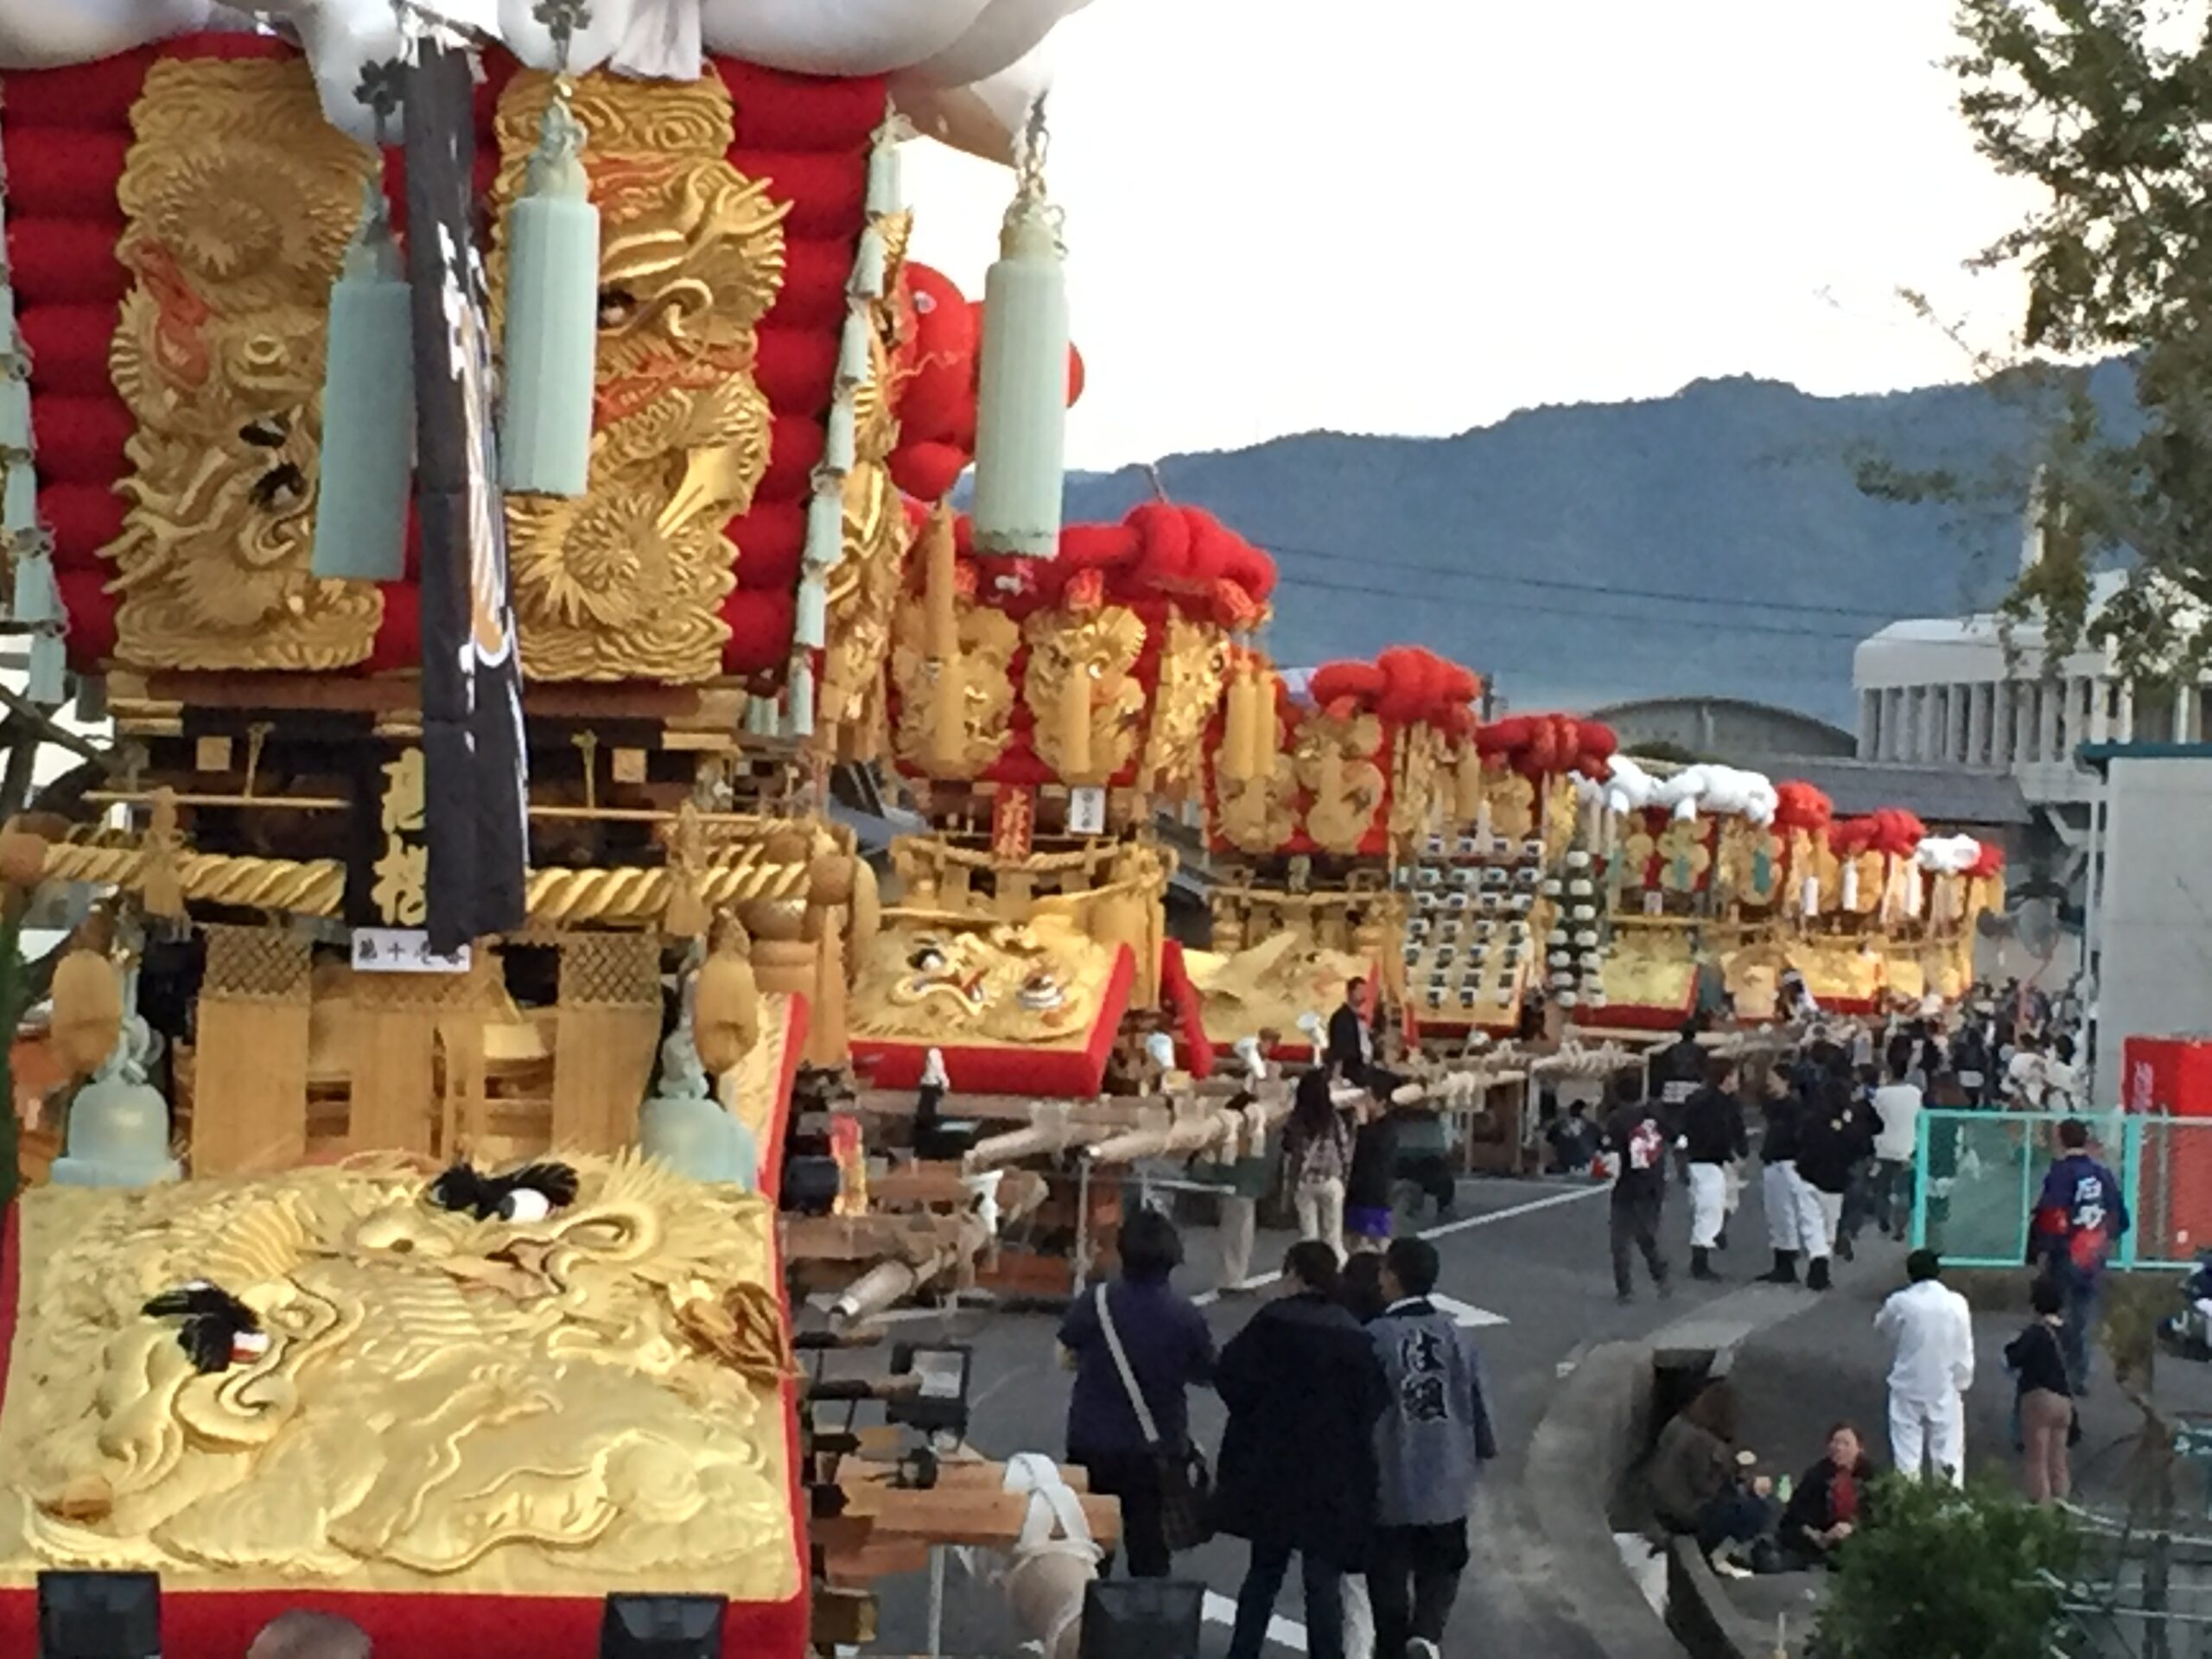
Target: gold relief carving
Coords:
[(1751, 862), (863, 591), (1040, 983), (1413, 803), (1512, 801), (1266, 988), (1088, 654), (988, 641), (1193, 663), (1261, 815), (626, 582), (1333, 764), (1650, 968), (1683, 856), (238, 200), (396, 1435)]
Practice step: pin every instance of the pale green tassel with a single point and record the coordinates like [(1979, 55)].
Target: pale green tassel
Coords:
[(867, 266), (761, 717), (1022, 389), (886, 185), (825, 527), (549, 354), (840, 442), (19, 496), (16, 397), (799, 715), (811, 620), (38, 599), (853, 365), (368, 408), (47, 682)]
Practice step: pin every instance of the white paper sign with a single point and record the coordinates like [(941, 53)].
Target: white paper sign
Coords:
[(1087, 811), (402, 951)]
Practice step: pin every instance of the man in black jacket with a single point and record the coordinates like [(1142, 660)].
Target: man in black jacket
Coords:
[(1638, 1142), (1351, 1044), (1834, 1134), (1712, 1135), (1298, 1476)]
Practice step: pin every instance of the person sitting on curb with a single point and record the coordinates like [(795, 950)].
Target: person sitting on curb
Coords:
[(1830, 1504)]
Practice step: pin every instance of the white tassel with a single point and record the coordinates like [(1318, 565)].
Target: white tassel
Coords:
[(867, 266), (48, 682), (38, 599), (19, 499), (798, 715), (761, 717), (853, 362), (840, 443), (810, 621), (886, 184), (825, 526), (1850, 884), (1808, 895)]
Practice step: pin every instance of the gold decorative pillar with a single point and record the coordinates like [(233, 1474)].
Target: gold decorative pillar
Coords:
[(249, 1069), (605, 1038)]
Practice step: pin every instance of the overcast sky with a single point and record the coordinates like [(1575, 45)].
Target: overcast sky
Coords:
[(1420, 215)]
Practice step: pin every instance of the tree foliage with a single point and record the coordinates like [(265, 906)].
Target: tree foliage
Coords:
[(2106, 106), (1940, 1574)]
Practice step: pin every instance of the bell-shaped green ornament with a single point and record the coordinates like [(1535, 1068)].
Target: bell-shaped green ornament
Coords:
[(549, 352), (368, 408), (118, 1131), (684, 1127)]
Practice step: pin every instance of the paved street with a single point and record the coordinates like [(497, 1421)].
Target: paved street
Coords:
[(1532, 1253)]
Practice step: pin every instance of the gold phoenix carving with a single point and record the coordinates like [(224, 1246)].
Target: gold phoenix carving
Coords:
[(238, 200), (443, 1403), (1335, 765), (626, 582), (1039, 983)]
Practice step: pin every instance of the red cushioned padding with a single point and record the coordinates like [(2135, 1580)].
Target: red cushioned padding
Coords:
[(210, 1624), (1177, 992), (1066, 1073)]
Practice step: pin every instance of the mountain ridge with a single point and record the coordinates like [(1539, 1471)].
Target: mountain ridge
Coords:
[(1716, 541)]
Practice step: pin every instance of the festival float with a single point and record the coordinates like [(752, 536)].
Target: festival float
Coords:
[(463, 908), (1313, 801)]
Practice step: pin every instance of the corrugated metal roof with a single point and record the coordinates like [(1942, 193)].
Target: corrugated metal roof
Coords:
[(1937, 794)]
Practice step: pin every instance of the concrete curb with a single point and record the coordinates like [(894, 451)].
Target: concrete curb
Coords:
[(1596, 1429), (1702, 1614)]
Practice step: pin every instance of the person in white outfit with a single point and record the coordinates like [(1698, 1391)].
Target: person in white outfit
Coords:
[(1897, 1103), (1931, 1335)]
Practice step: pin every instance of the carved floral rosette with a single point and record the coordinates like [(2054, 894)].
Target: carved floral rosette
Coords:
[(1102, 667)]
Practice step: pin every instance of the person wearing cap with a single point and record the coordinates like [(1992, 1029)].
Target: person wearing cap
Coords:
[(1930, 1331)]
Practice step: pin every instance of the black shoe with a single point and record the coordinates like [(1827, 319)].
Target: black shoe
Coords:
[(1701, 1264), (1816, 1276), (1844, 1251), (1721, 1243), (1785, 1269)]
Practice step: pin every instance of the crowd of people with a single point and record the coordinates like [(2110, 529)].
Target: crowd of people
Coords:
[(1356, 1427)]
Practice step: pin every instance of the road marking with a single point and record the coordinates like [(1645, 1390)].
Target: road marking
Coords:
[(1443, 1229), (1463, 1315), (1283, 1632)]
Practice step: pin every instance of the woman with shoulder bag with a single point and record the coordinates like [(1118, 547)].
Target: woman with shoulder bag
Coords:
[(1135, 1344), (2042, 1400)]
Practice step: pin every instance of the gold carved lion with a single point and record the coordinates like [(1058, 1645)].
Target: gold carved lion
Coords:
[(1087, 653), (1040, 983), (443, 1403), (238, 200), (626, 582)]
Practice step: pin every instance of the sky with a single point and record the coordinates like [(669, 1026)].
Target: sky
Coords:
[(1417, 216)]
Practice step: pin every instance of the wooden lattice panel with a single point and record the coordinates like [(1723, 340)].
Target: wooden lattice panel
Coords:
[(610, 971), (256, 964)]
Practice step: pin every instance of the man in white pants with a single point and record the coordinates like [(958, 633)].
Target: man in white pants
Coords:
[(1931, 1333), (1712, 1135), (1778, 1154)]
